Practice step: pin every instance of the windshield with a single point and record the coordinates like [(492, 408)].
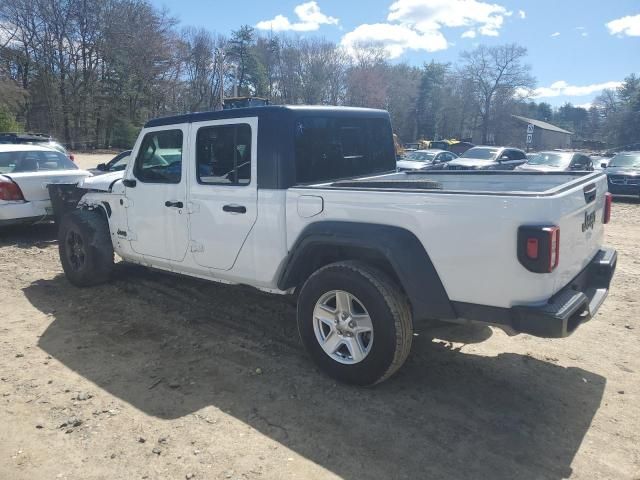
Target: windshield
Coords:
[(119, 162), (420, 157), (551, 159), (488, 154), (34, 161), (625, 160)]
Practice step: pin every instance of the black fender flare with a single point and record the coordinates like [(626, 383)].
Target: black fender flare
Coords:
[(401, 249)]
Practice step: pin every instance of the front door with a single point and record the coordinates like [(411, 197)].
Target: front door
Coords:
[(156, 194), (223, 198)]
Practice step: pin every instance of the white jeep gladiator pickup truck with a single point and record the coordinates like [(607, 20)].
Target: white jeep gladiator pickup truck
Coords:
[(306, 201)]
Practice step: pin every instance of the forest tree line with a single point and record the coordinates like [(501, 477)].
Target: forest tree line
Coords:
[(92, 72)]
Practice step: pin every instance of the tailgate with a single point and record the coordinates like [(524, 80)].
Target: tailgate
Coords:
[(34, 184), (581, 211)]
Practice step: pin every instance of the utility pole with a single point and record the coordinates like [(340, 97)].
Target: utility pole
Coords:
[(220, 54)]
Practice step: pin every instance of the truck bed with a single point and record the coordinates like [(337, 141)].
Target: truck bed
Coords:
[(480, 182), (468, 224)]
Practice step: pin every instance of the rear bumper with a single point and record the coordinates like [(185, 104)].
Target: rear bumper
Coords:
[(24, 212), (572, 306)]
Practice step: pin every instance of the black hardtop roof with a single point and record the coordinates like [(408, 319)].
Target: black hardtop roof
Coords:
[(270, 110)]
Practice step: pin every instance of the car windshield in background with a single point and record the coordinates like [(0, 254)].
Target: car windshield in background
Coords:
[(626, 160), (331, 148), (120, 163), (34, 161), (420, 157), (551, 159), (488, 154)]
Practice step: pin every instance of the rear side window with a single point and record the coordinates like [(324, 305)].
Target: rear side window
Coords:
[(517, 155), (159, 159), (34, 161), (223, 155), (328, 148)]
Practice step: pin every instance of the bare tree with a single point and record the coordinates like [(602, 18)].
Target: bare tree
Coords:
[(495, 71)]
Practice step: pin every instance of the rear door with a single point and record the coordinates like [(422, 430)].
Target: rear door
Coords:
[(156, 194), (224, 189)]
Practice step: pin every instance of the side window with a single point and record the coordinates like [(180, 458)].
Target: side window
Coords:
[(581, 162), (517, 155), (223, 155), (331, 148), (159, 159)]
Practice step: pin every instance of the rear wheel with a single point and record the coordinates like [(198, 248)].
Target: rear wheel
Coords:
[(84, 245), (355, 322)]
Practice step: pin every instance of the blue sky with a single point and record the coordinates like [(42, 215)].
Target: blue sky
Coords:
[(576, 47)]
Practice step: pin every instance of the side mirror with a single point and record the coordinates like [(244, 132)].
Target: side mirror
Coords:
[(603, 165), (102, 167)]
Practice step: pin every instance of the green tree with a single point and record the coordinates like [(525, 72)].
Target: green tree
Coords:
[(7, 121)]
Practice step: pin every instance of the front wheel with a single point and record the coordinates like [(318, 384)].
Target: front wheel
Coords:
[(85, 248), (355, 323)]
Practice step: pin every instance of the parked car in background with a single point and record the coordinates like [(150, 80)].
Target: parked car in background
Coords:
[(25, 171), (425, 159), (41, 139), (489, 158), (623, 174), (116, 164), (557, 162)]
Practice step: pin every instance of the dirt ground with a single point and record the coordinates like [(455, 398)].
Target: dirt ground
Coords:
[(160, 377)]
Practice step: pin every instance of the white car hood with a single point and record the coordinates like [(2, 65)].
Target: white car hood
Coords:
[(411, 164), (101, 182), (470, 162)]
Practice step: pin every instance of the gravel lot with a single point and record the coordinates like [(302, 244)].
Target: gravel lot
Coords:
[(159, 377)]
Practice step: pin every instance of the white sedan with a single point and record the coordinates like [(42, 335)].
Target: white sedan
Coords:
[(25, 172)]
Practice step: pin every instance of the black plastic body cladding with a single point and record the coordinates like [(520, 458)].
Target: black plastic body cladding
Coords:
[(401, 248)]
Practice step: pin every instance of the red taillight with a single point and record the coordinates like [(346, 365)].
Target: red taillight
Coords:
[(608, 201), (539, 247), (532, 248), (9, 190)]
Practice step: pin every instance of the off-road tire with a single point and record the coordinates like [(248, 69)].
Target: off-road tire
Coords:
[(387, 307), (97, 261)]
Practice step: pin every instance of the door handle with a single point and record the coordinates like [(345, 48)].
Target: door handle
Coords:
[(234, 209), (174, 204), (129, 183)]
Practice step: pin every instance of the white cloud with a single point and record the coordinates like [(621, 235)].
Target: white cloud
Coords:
[(629, 26), (555, 34), (522, 14), (395, 39), (309, 19), (429, 15), (564, 89), (417, 24), (586, 106)]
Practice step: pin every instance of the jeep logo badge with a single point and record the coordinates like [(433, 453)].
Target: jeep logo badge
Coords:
[(589, 221)]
